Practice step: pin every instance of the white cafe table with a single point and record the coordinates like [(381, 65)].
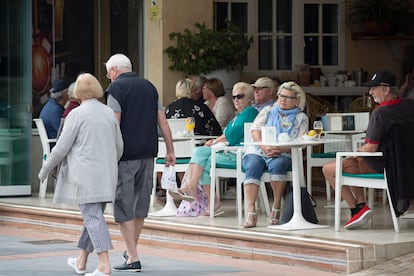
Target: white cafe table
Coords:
[(170, 209), (298, 222), (347, 134)]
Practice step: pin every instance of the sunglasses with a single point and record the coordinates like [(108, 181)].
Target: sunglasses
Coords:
[(239, 97), (286, 97)]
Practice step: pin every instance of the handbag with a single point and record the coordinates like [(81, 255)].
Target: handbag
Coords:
[(168, 178), (308, 205), (194, 208)]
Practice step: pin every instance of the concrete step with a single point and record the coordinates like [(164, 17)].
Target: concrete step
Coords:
[(322, 254)]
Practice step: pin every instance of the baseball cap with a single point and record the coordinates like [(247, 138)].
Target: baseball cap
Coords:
[(264, 82), (381, 78), (59, 85)]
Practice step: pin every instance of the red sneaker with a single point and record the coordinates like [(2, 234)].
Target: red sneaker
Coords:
[(360, 218)]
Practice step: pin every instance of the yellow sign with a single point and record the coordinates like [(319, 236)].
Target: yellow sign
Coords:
[(154, 10)]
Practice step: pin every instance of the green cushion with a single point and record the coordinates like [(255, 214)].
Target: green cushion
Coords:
[(177, 161), (365, 175), (227, 165), (324, 155)]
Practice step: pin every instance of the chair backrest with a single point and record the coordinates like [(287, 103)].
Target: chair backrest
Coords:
[(182, 149), (44, 140), (361, 119), (247, 133), (177, 126)]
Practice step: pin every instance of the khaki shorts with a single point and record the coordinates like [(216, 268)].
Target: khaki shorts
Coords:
[(356, 165)]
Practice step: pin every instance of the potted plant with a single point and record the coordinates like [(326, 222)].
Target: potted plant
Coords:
[(206, 50), (379, 16), (372, 15)]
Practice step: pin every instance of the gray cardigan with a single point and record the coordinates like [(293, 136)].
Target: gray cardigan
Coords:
[(87, 153)]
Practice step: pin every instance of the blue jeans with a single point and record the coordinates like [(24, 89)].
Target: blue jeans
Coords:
[(254, 166)]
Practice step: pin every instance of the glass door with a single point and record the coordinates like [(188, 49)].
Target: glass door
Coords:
[(15, 98)]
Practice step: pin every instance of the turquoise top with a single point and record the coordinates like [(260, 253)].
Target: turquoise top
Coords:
[(234, 130)]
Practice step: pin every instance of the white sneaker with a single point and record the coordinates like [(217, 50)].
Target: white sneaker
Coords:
[(73, 263), (96, 273)]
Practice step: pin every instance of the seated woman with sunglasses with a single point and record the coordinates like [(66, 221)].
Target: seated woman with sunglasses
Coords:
[(233, 135), (287, 116)]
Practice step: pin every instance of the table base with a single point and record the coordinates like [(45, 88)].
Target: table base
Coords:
[(297, 223), (169, 209)]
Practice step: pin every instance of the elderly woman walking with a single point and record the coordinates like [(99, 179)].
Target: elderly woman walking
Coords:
[(87, 153)]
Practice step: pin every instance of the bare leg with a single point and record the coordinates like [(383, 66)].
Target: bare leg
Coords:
[(251, 193), (131, 230), (104, 264), (217, 202), (83, 259), (195, 172), (328, 171), (278, 187)]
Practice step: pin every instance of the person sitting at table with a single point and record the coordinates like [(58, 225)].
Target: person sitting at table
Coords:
[(53, 110), (184, 106), (264, 89), (287, 110), (197, 93), (220, 105), (200, 163), (391, 110)]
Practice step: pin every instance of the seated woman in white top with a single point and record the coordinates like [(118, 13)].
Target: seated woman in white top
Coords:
[(221, 106)]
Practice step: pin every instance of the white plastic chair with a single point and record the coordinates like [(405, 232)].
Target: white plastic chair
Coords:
[(318, 160), (182, 149), (45, 141), (370, 181)]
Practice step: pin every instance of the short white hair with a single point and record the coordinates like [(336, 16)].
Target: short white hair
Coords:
[(118, 61)]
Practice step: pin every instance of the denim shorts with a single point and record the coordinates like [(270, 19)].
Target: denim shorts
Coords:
[(254, 166)]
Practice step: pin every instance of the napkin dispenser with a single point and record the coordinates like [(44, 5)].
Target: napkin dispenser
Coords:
[(338, 122)]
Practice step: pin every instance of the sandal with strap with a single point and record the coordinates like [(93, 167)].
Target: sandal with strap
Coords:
[(181, 195), (251, 220), (274, 218)]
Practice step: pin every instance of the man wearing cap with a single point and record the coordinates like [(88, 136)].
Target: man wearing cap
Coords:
[(263, 93), (391, 110), (53, 110)]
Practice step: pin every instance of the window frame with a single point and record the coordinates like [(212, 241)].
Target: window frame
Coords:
[(297, 34)]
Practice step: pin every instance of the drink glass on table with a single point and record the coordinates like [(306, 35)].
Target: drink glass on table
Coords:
[(318, 128), (189, 126), (286, 124)]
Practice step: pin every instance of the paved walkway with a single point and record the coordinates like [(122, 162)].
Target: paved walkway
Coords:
[(33, 252)]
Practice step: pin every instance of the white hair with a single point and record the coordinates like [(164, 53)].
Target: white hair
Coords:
[(118, 61)]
